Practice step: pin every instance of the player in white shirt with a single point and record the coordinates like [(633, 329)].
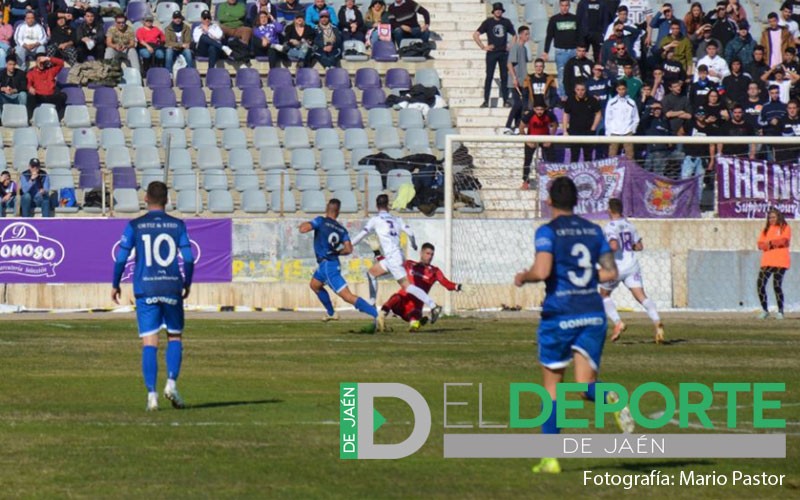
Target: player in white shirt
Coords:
[(624, 241), (388, 227)]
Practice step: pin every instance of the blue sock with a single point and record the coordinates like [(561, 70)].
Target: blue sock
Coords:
[(590, 394), (174, 357), (550, 426), (366, 308), (150, 366), (326, 301)]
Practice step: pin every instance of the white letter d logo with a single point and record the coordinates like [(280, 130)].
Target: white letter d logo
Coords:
[(366, 425)]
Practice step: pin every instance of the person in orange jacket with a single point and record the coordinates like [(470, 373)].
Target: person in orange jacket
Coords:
[(774, 242)]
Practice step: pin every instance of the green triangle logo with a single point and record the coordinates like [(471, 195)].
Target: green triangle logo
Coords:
[(377, 420)]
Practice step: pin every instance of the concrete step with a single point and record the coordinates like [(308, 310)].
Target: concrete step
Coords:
[(455, 44), (459, 55), (483, 112), (438, 7), (454, 83), (463, 122)]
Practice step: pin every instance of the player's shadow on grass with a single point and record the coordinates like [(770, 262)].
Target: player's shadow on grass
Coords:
[(648, 466), (226, 404), (644, 341)]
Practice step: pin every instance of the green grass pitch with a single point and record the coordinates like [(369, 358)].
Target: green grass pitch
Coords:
[(263, 420)]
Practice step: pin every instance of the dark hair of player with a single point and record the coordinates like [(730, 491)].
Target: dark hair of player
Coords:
[(157, 193), (615, 205), (563, 193), (333, 206), (781, 222), (426, 246), (382, 201)]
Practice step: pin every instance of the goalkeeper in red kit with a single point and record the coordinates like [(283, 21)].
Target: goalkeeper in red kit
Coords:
[(423, 275)]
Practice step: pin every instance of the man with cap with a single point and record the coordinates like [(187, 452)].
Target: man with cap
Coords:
[(741, 47), (42, 84), (90, 38), (178, 36), (328, 42), (231, 17), (121, 42), (35, 190), (150, 40), (496, 28), (208, 37)]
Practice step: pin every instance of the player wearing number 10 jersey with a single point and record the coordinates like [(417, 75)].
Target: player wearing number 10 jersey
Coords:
[(573, 324), (159, 287)]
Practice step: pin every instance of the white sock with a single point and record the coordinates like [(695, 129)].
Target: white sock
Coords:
[(373, 288), (170, 385), (650, 307), (421, 295), (611, 310)]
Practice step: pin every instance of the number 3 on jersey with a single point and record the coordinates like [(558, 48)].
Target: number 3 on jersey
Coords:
[(580, 251), (153, 250)]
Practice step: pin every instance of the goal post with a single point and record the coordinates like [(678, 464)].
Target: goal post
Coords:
[(510, 212)]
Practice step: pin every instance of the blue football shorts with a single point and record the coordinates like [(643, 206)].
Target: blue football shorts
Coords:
[(329, 272), (560, 336), (156, 313)]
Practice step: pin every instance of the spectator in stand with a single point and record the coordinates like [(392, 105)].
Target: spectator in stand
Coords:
[(717, 67), (621, 119), (646, 99), (18, 9), (290, 9), (496, 28), (577, 69), (79, 8), (752, 104), (178, 42), (785, 20), (254, 10), (121, 42), (630, 31), (795, 6), (778, 77), (788, 126), (658, 155), (517, 68), (403, 17), (300, 39), (593, 18), (723, 25), (736, 83), (351, 22), (314, 10), (207, 37), (741, 47), (694, 20), (775, 40), (562, 33), (701, 87), (673, 70), (376, 14), (772, 114), (679, 44), (663, 22), (632, 84), (620, 34), (738, 126), (31, 38), (42, 84), (328, 42), (8, 194), (759, 66), (266, 39), (151, 44), (699, 157), (541, 123), (677, 109), (35, 190), (581, 117), (62, 37), (600, 86), (736, 11), (13, 85), (231, 18), (541, 84), (704, 40), (6, 35), (91, 38), (615, 65)]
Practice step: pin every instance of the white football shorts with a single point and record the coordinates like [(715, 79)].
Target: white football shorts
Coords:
[(631, 278), (394, 266)]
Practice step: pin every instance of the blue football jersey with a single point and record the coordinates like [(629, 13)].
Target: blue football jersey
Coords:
[(158, 239), (328, 236), (576, 245)]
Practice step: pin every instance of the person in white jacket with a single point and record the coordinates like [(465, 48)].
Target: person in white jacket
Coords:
[(31, 38), (717, 67), (208, 38), (622, 118)]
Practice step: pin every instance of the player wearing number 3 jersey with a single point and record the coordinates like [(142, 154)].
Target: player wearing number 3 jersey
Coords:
[(159, 286), (569, 251)]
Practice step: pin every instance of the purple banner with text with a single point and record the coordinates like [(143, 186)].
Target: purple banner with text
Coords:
[(652, 196), (748, 188), (597, 182), (83, 250)]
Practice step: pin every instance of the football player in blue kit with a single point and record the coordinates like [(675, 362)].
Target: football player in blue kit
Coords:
[(332, 241), (159, 287), (572, 254)]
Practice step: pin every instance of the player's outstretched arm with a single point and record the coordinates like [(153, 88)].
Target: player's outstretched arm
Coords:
[(608, 268), (305, 227), (539, 271)]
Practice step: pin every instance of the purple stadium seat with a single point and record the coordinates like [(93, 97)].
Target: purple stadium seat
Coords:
[(259, 117), (344, 98), (289, 117), (164, 97), (279, 77), (217, 78), (285, 97), (124, 178), (373, 98), (188, 78), (75, 96), (108, 118), (398, 78), (350, 118), (86, 159), (384, 52), (308, 78), (107, 25), (223, 98), (319, 118), (137, 10), (90, 179), (193, 97), (159, 78), (253, 98), (248, 78), (337, 78), (367, 78), (61, 79), (105, 97)]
